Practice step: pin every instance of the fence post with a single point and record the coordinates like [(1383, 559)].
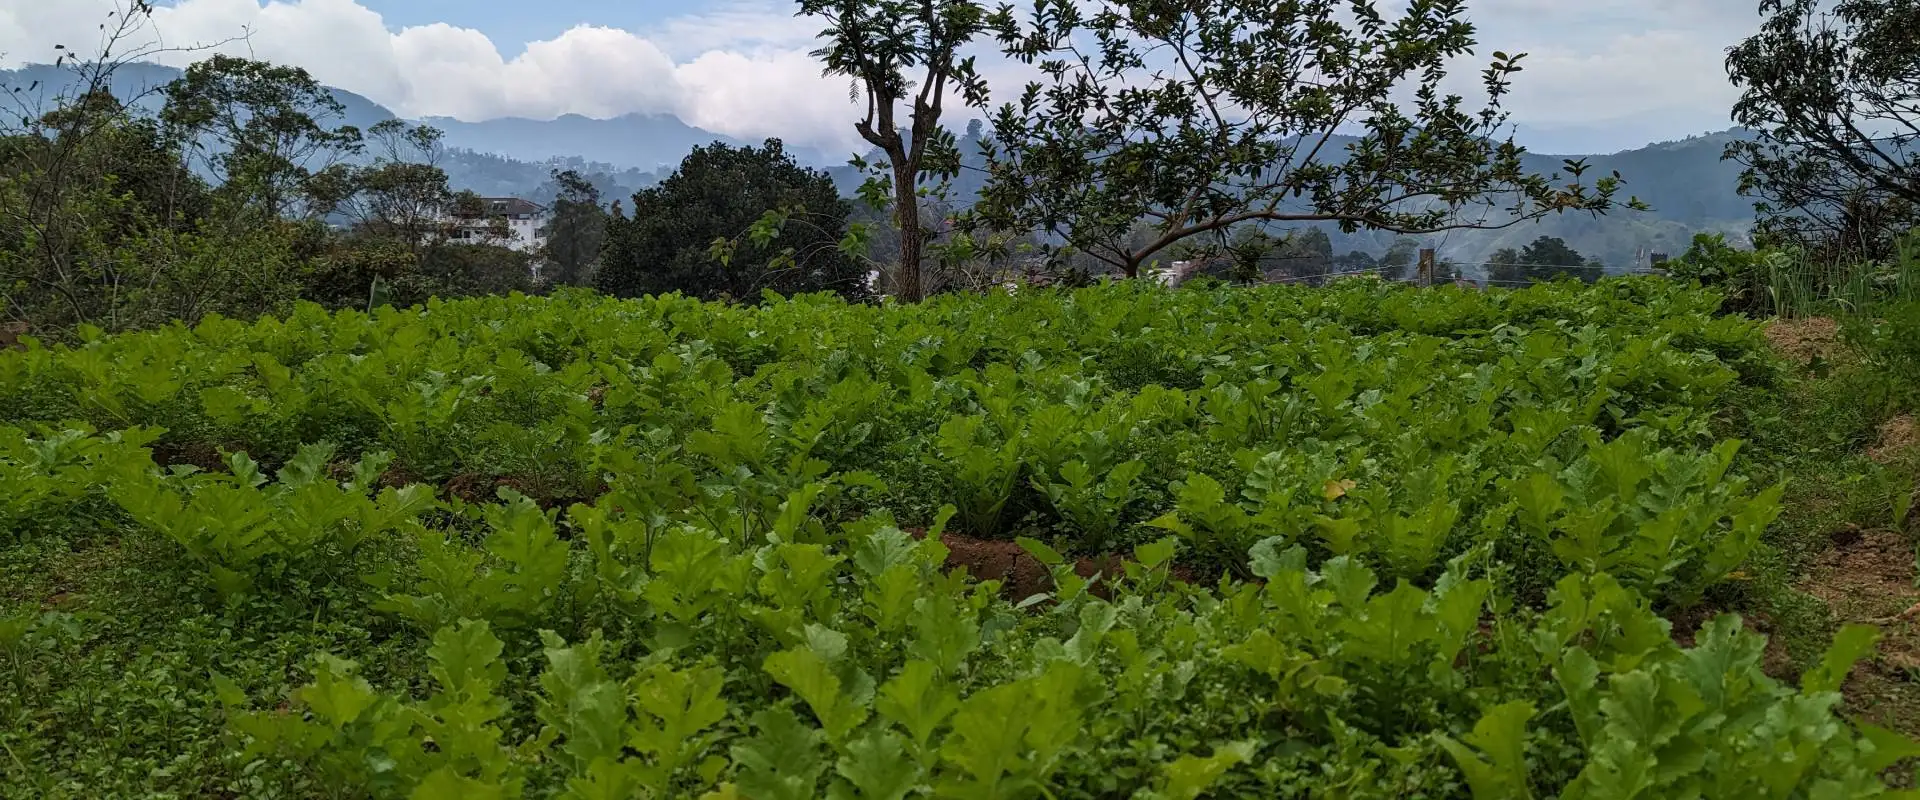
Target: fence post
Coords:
[(1426, 266)]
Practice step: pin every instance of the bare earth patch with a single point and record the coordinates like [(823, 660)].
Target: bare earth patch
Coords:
[(1020, 574), (1774, 660), (1899, 441), (1868, 577), (1802, 339)]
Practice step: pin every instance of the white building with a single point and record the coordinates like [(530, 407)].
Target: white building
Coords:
[(523, 218)]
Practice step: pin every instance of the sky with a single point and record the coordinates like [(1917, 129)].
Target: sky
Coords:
[(1599, 77)]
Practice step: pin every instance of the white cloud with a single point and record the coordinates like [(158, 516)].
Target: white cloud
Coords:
[(766, 93), (1636, 69), (749, 24), (741, 70), (744, 70)]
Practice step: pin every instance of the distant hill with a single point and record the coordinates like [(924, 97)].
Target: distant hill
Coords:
[(1688, 186), (644, 141), (36, 86), (640, 141)]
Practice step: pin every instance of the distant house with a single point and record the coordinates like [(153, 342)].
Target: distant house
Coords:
[(523, 219), (1179, 272)]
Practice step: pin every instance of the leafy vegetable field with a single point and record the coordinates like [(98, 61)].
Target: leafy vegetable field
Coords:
[(1375, 542)]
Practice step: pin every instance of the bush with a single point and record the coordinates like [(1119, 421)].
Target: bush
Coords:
[(1739, 274)]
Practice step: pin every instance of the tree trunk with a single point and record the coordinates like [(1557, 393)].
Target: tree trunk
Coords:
[(906, 209)]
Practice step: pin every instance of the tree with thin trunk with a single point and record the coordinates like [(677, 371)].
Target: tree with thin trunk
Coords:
[(577, 230), (877, 43), (402, 194), (1202, 115)]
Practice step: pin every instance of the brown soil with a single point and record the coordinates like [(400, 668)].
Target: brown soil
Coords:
[(1774, 660), (474, 487), (397, 476), (198, 454), (1020, 574), (1899, 441), (1868, 577), (10, 334)]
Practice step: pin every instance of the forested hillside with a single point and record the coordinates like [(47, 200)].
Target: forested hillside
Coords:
[(1686, 183), (1689, 188)]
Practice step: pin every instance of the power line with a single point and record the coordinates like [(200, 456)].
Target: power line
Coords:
[(1531, 266)]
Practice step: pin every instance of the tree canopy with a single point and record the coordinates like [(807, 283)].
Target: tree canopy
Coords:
[(1834, 91), (718, 193), (239, 195), (1203, 115), (262, 129), (577, 229), (1545, 258)]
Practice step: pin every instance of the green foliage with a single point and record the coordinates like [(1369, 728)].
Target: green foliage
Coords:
[(1823, 181), (671, 552), (260, 128), (1545, 258), (903, 53), (1197, 117), (577, 231), (1888, 341), (103, 225), (1056, 704), (668, 244), (244, 526), (109, 223), (1030, 415), (1741, 274)]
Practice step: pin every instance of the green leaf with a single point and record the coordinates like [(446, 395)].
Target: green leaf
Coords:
[(466, 658), (1579, 678), (808, 675), (337, 694), (1501, 734), (1189, 775), (1269, 561), (873, 764), (885, 547), (1157, 552), (580, 703), (1853, 642), (675, 707), (917, 699), (1040, 551), (445, 784), (1350, 581), (782, 760), (1889, 748)]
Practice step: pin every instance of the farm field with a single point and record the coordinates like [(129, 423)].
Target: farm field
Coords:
[(1362, 540)]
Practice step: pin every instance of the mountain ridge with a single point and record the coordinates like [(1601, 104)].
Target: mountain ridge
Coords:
[(1688, 186)]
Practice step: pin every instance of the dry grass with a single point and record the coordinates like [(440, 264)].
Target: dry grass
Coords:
[(1899, 441), (1802, 339)]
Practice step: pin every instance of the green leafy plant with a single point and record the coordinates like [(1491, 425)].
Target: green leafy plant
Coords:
[(243, 526)]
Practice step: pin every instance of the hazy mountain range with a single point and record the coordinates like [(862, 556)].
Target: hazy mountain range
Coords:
[(1688, 186)]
